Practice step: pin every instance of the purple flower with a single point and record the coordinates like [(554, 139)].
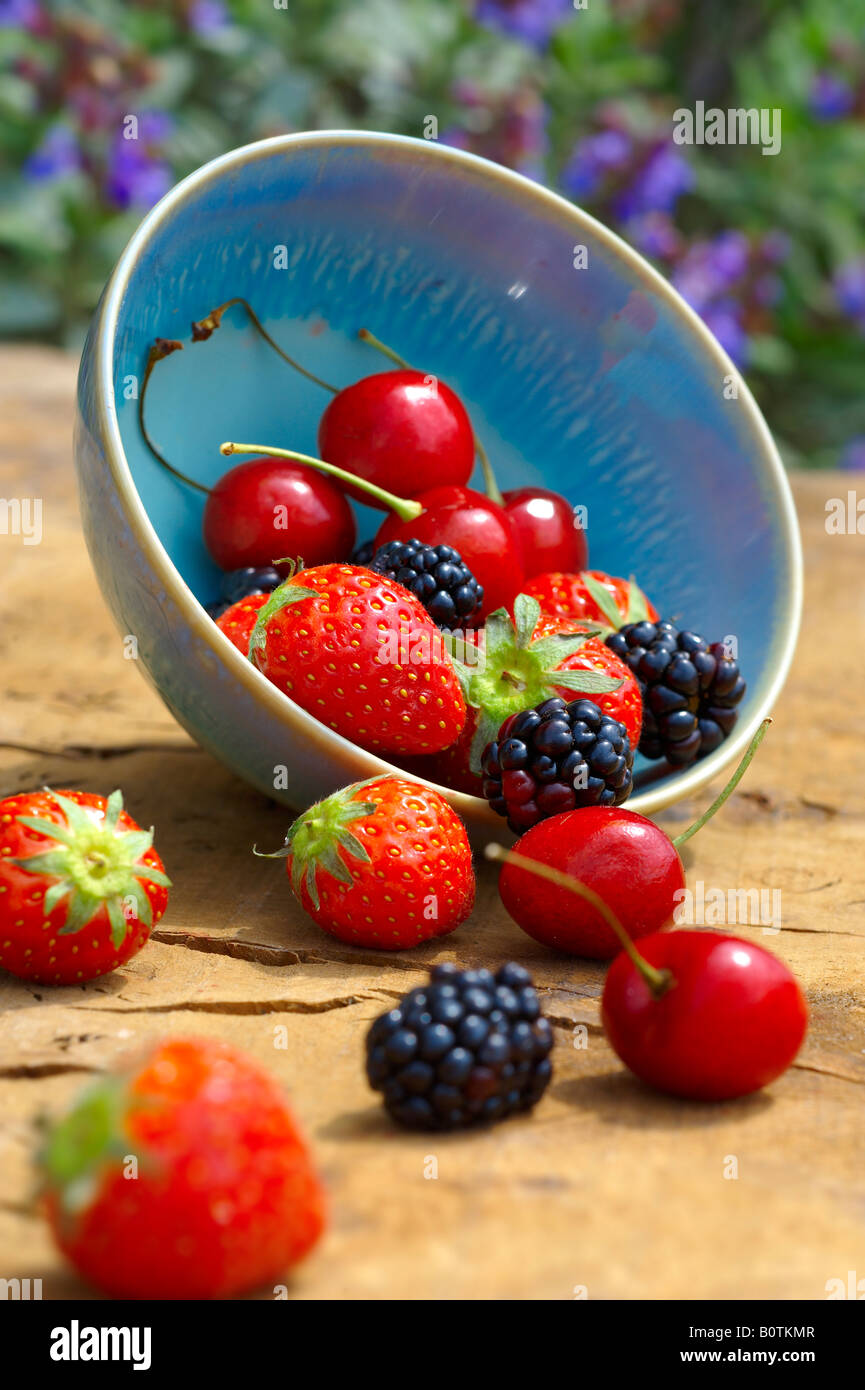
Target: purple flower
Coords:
[(593, 158), (208, 17), (655, 235), (137, 175), (850, 290), (20, 14), (831, 97), (853, 455), (533, 21), (513, 132), (723, 320), (58, 153), (658, 184)]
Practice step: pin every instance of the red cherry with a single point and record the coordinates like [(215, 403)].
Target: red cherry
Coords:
[(625, 859), (544, 525), (265, 509), (475, 526), (401, 430), (731, 1020)]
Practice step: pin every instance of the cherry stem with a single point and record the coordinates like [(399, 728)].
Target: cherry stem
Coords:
[(729, 789), (404, 507), (490, 485), (162, 347), (204, 327), (659, 981)]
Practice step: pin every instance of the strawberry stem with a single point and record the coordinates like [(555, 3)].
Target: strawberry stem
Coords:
[(659, 981), (491, 487), (729, 789), (404, 507)]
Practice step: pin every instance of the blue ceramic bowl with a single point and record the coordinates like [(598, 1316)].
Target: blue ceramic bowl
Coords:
[(599, 382)]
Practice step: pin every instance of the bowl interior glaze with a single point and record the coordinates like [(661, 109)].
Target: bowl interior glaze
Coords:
[(596, 381)]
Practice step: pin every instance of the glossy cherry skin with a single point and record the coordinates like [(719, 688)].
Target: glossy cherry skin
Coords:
[(269, 509), (401, 430), (548, 539), (476, 527), (733, 1021), (627, 860)]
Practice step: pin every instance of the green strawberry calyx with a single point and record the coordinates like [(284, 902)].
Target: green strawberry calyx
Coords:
[(321, 838), (282, 597), (514, 673), (78, 1149), (638, 608), (95, 864)]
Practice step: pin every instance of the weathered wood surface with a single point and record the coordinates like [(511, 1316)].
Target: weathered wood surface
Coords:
[(608, 1186)]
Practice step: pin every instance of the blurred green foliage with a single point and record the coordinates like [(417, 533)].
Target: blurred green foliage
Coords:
[(770, 249)]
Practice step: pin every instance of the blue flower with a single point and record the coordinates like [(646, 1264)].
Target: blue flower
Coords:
[(658, 184), (137, 174), (593, 158), (19, 14), (208, 17), (853, 455), (533, 21), (850, 290), (831, 98), (57, 154)]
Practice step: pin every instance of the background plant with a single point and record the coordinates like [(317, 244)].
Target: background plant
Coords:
[(771, 251)]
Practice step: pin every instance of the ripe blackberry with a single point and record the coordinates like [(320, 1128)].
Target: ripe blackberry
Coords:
[(238, 584), (690, 689), (555, 757), (363, 553), (468, 1048), (436, 575)]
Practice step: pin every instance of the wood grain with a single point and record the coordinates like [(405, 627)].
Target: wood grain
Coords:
[(607, 1186)]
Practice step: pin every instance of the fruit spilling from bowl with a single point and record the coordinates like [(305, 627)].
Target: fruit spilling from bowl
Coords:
[(467, 639)]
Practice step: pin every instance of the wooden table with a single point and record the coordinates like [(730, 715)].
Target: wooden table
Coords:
[(608, 1187)]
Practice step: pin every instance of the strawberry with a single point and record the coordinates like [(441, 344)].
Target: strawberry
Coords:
[(238, 621), (591, 594), (81, 885), (184, 1177), (519, 664), (382, 863), (362, 654)]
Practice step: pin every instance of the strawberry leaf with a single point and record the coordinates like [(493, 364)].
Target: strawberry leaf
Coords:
[(604, 600)]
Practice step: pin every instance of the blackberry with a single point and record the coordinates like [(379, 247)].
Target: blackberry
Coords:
[(436, 575), (554, 758), (363, 553), (468, 1048), (690, 689), (238, 584)]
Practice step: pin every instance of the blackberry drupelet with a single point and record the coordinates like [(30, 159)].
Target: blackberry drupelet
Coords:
[(468, 1048), (363, 553), (690, 689), (554, 758), (437, 576), (238, 584)]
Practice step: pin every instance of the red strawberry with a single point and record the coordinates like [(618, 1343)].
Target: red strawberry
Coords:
[(591, 594), (382, 863), (238, 621), (363, 655), (80, 885), (518, 665), (221, 1197)]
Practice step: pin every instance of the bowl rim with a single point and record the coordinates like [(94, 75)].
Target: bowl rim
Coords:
[(646, 801)]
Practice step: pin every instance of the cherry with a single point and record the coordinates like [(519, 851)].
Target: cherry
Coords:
[(475, 526), (547, 534), (400, 430), (629, 869), (726, 1018), (263, 510), (472, 523), (625, 858)]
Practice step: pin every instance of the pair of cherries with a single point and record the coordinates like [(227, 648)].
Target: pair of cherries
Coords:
[(700, 1014), (373, 436)]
